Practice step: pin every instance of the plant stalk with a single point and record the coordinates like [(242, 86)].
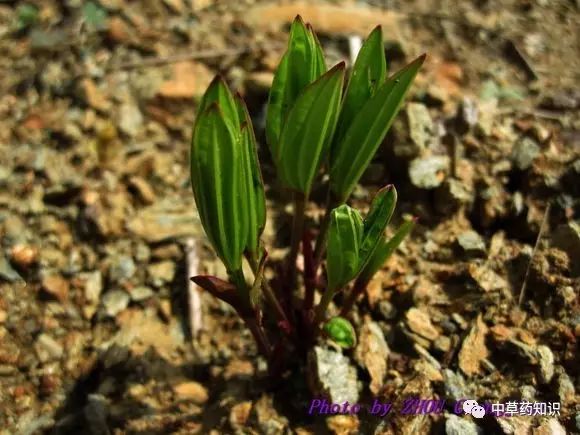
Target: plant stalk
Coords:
[(297, 227), (357, 289), (322, 307), (269, 292), (246, 312)]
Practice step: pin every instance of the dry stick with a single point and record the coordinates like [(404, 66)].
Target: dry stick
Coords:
[(195, 317), (540, 232)]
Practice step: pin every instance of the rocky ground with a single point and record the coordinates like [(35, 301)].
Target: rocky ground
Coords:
[(101, 331)]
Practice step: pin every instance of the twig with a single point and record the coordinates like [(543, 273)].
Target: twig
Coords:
[(540, 232), (155, 61), (194, 299)]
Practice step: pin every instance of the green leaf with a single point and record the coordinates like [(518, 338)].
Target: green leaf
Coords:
[(307, 133), (219, 92), (355, 150), (385, 249), (376, 221), (218, 184), (344, 241), (256, 200), (341, 331), (368, 74), (301, 64)]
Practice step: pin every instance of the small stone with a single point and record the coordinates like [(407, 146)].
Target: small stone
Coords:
[(442, 344), (567, 238), (191, 390), (122, 268), (566, 390), (7, 273), (24, 255), (372, 353), (331, 375), (130, 119), (190, 79), (473, 350), (420, 323), (428, 172), (455, 425), (93, 286), (343, 424), (420, 125), (143, 189), (47, 348), (93, 96), (95, 413), (546, 360), (524, 153), (240, 413), (161, 273), (387, 310), (141, 293), (452, 195), (550, 426), (56, 286), (455, 386), (471, 243), (115, 301)]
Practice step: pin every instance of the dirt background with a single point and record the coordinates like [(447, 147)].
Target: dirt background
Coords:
[(101, 331)]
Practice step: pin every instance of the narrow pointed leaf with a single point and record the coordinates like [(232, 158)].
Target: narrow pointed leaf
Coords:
[(355, 150), (218, 184), (255, 203), (368, 74), (301, 64), (385, 249), (218, 92), (308, 130), (341, 331), (344, 241), (376, 222)]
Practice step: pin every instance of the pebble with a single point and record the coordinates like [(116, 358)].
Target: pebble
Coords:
[(115, 301), (372, 353), (428, 172), (47, 348), (93, 286), (550, 426), (524, 153), (546, 361), (471, 243), (191, 390), (95, 413), (130, 119), (141, 293), (567, 238), (566, 390), (455, 425), (420, 323), (453, 194), (7, 273), (122, 268), (387, 310), (455, 386), (331, 375), (24, 255), (56, 286), (161, 273)]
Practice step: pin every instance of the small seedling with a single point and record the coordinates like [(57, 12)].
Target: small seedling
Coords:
[(313, 123)]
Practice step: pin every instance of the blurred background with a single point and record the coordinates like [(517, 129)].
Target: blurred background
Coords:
[(100, 329)]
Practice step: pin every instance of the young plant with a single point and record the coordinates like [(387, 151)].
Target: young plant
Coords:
[(312, 123)]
